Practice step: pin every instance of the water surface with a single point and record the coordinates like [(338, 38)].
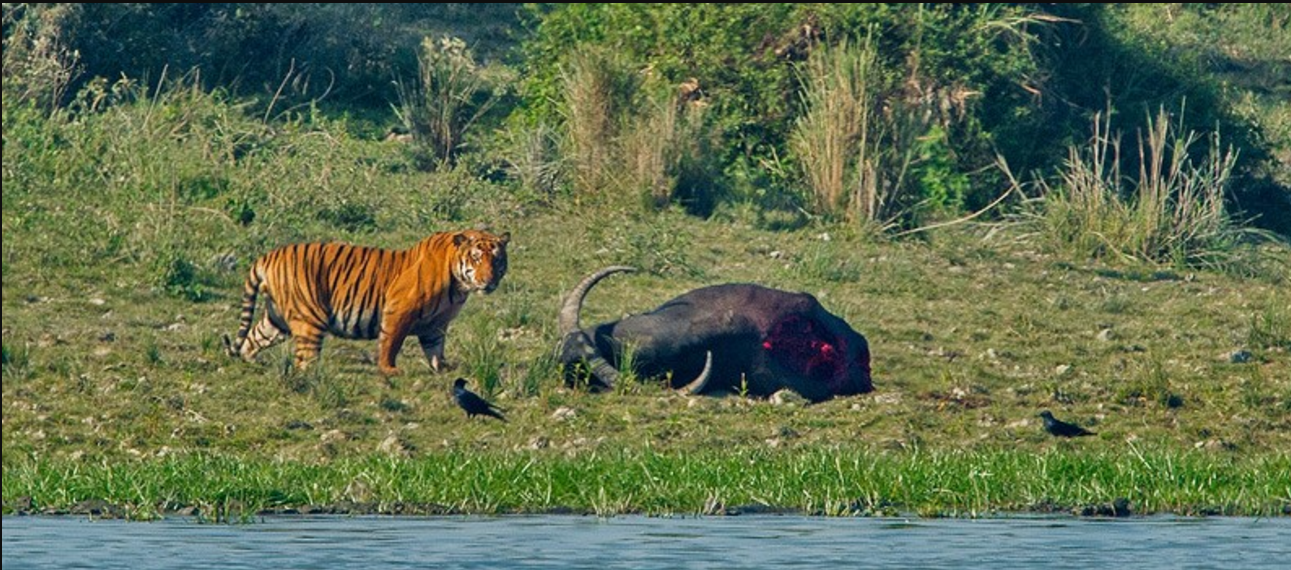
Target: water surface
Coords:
[(761, 541)]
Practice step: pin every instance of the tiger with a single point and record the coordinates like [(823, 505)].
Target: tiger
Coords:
[(359, 292)]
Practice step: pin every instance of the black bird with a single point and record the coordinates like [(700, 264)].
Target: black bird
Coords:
[(473, 404), (1060, 428)]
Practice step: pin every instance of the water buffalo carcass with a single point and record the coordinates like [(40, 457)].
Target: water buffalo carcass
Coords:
[(736, 337)]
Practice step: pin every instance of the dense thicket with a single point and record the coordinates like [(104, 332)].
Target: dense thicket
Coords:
[(953, 86)]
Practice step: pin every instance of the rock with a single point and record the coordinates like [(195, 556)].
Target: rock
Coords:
[(391, 445), (1019, 424), (564, 413), (21, 505), (1240, 357), (787, 396), (95, 507), (1106, 335), (1119, 507), (888, 398), (1215, 445)]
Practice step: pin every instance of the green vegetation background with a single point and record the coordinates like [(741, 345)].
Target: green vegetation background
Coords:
[(151, 151)]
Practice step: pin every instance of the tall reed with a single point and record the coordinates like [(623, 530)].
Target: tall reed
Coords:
[(450, 95), (1173, 211)]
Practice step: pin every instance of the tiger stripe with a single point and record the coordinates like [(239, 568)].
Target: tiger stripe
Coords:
[(361, 292)]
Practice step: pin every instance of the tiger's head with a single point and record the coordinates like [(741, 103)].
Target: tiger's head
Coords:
[(481, 260)]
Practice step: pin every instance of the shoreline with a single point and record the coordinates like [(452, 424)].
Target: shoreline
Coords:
[(806, 481)]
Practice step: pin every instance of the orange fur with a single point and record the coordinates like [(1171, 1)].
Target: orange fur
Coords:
[(362, 292)]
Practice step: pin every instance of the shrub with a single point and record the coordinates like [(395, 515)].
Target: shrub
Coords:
[(450, 95), (1172, 212)]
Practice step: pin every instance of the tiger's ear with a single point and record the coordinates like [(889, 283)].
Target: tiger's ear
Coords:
[(459, 239), (506, 237)]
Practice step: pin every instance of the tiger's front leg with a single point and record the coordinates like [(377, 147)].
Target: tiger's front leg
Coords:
[(432, 343), (395, 326)]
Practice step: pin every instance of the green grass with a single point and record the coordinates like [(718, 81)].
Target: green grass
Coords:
[(835, 481), (126, 240)]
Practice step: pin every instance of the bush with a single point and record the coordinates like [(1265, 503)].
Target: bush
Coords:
[(450, 95), (868, 153), (1173, 212), (742, 62)]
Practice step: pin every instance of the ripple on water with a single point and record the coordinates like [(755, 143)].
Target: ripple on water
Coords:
[(561, 541)]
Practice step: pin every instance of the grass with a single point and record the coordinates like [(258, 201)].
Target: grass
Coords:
[(838, 137), (1172, 212), (121, 273), (440, 110), (824, 481)]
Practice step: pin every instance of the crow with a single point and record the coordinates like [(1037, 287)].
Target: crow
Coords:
[(473, 404), (1060, 428)]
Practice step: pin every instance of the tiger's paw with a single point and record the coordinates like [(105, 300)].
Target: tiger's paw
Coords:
[(389, 371)]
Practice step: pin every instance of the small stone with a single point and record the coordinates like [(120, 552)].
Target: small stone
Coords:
[(1121, 507), (787, 396), (564, 413), (1019, 424), (392, 446), (1106, 335), (887, 398), (1240, 356), (1062, 370)]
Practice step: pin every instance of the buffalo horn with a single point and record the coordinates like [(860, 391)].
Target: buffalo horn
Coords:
[(697, 385)]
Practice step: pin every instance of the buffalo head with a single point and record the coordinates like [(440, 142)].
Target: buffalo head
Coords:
[(737, 336)]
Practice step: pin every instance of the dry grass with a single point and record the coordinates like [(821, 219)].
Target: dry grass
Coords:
[(1173, 212), (450, 95)]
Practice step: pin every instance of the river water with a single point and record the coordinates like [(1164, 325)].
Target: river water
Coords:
[(564, 541)]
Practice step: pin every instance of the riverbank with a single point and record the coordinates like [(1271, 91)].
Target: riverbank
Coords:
[(846, 481)]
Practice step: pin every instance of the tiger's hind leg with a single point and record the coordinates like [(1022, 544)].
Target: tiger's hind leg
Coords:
[(309, 342), (264, 335)]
